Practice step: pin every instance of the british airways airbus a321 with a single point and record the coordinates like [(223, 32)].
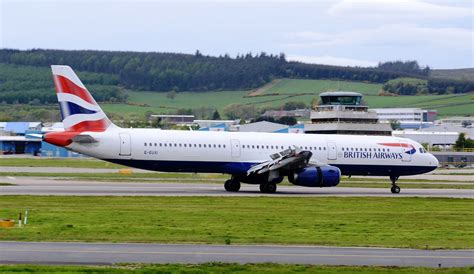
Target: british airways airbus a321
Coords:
[(254, 158)]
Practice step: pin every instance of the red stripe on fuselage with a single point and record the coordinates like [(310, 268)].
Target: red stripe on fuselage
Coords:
[(64, 85), (396, 145)]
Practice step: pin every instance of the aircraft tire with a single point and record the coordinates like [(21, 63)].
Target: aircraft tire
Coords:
[(232, 185), (395, 189), (268, 187)]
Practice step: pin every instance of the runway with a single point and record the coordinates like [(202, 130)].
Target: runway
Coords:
[(104, 253), (462, 175), (45, 186)]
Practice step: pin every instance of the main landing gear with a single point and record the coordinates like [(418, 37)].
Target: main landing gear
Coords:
[(395, 189), (232, 185), (268, 187)]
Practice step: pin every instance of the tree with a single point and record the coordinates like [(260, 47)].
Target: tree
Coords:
[(237, 111), (395, 125), (171, 95), (294, 105), (462, 142), (216, 115), (287, 120)]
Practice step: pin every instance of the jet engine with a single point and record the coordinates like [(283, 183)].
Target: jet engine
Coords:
[(325, 176)]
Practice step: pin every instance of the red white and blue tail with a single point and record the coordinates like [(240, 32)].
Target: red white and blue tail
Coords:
[(79, 111)]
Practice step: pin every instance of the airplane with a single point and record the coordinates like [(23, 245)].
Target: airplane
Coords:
[(263, 159)]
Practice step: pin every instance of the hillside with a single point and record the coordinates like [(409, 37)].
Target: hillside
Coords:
[(162, 72), (292, 90), (27, 93), (466, 74)]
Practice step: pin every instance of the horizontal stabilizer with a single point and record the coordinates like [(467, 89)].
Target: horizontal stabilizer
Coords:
[(84, 139)]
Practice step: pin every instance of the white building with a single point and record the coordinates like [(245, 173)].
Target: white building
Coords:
[(401, 115), (459, 121)]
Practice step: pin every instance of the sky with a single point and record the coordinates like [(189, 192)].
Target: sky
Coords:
[(438, 33)]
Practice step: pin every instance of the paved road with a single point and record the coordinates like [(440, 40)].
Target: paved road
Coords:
[(45, 186), (102, 253), (462, 175)]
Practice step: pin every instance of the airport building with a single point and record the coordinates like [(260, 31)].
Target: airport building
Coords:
[(22, 138), (344, 112), (408, 118)]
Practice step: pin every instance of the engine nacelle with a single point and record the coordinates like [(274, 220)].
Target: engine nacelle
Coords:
[(325, 176)]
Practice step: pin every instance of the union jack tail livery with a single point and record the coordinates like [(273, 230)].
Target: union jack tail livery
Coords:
[(79, 111)]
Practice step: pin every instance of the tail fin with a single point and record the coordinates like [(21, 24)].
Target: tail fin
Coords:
[(79, 111)]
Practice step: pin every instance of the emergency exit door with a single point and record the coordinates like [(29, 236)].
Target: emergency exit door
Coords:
[(332, 151), (235, 148)]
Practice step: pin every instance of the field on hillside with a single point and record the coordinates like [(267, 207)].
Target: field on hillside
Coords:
[(288, 90)]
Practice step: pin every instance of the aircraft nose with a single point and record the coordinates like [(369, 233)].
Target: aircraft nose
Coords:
[(433, 161)]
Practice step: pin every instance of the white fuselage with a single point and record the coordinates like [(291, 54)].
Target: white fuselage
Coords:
[(235, 152)]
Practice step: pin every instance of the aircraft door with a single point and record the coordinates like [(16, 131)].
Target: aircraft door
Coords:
[(332, 151), (235, 148), (125, 144)]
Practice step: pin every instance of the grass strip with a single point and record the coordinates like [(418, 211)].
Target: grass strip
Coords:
[(226, 268), (57, 162), (350, 221)]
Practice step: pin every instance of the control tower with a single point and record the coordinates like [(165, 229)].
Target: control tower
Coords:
[(345, 112)]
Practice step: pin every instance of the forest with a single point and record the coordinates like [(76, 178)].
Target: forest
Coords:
[(111, 71)]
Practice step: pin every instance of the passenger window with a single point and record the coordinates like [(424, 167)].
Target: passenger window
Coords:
[(223, 146), (219, 146)]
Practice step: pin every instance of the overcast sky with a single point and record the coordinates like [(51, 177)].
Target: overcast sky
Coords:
[(437, 33)]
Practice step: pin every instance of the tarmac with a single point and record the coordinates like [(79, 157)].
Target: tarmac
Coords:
[(50, 186), (106, 253), (109, 253)]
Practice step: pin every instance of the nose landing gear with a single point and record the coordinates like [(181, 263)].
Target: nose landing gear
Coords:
[(395, 188)]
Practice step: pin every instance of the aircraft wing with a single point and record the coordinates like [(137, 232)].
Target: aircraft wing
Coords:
[(288, 159)]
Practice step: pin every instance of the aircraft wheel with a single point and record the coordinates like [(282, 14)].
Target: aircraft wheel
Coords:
[(395, 189), (232, 185), (268, 188)]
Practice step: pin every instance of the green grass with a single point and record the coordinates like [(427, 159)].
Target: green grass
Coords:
[(295, 86), (57, 162), (226, 268), (397, 222), (292, 90)]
